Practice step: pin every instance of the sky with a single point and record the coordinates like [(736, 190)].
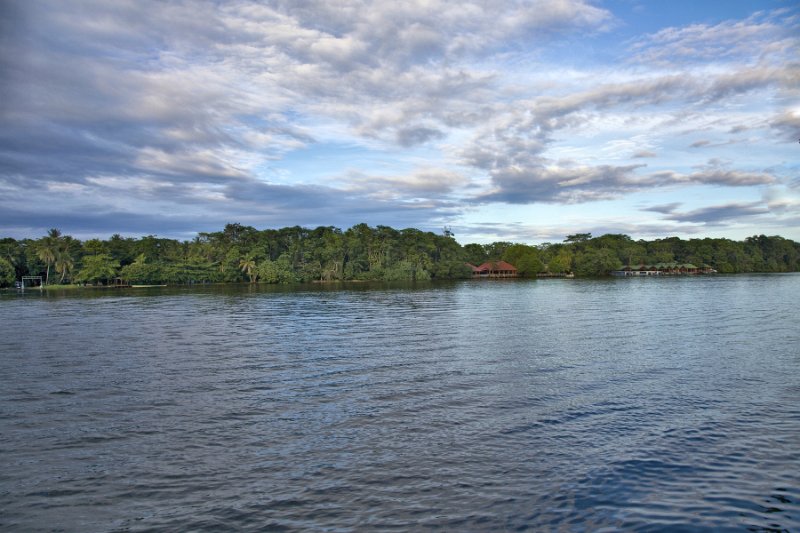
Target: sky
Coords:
[(510, 120)]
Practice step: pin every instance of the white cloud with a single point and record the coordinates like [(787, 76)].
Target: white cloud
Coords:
[(206, 102), (762, 36), (421, 183)]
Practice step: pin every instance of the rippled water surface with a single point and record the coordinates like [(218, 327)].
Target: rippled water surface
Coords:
[(571, 405)]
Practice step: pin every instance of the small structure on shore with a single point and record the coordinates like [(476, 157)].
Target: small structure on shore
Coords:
[(29, 282), (663, 269), (493, 269)]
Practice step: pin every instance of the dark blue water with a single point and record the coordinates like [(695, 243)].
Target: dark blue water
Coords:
[(635, 404)]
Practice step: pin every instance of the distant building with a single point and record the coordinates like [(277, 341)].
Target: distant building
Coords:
[(493, 269), (663, 269)]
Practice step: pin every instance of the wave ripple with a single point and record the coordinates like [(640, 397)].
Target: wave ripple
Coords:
[(553, 405)]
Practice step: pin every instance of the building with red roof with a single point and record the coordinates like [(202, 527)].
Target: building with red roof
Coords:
[(494, 269)]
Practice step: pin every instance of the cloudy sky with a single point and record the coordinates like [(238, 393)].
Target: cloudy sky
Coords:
[(504, 120)]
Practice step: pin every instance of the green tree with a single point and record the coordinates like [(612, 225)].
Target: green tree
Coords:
[(151, 246), (578, 237), (633, 254), (14, 252), (229, 265), (333, 255), (101, 267), (7, 274), (122, 249), (64, 263), (496, 249), (362, 252), (358, 242), (405, 270), (248, 266), (475, 254), (525, 258), (94, 247), (278, 271), (561, 262), (141, 271), (47, 250), (596, 262)]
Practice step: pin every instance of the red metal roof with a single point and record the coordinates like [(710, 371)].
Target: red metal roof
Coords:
[(493, 266)]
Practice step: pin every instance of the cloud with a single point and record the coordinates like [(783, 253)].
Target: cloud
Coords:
[(421, 183), (720, 213), (787, 123), (559, 184), (517, 135), (763, 35), (143, 205), (202, 109), (568, 183), (556, 233), (665, 208), (744, 80), (512, 147), (784, 199), (420, 135), (778, 207), (155, 79), (85, 223), (712, 176)]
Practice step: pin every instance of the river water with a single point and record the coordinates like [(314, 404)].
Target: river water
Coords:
[(635, 404)]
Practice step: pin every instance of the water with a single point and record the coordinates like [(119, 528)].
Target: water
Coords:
[(635, 404)]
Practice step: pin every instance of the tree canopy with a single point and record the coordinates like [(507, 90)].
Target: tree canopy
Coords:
[(241, 253)]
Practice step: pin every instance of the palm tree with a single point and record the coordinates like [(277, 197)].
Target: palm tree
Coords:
[(64, 263), (248, 266), (48, 249)]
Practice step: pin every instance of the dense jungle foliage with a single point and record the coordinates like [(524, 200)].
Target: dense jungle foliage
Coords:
[(242, 253)]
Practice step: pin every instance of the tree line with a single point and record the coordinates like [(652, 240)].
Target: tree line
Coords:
[(241, 253)]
